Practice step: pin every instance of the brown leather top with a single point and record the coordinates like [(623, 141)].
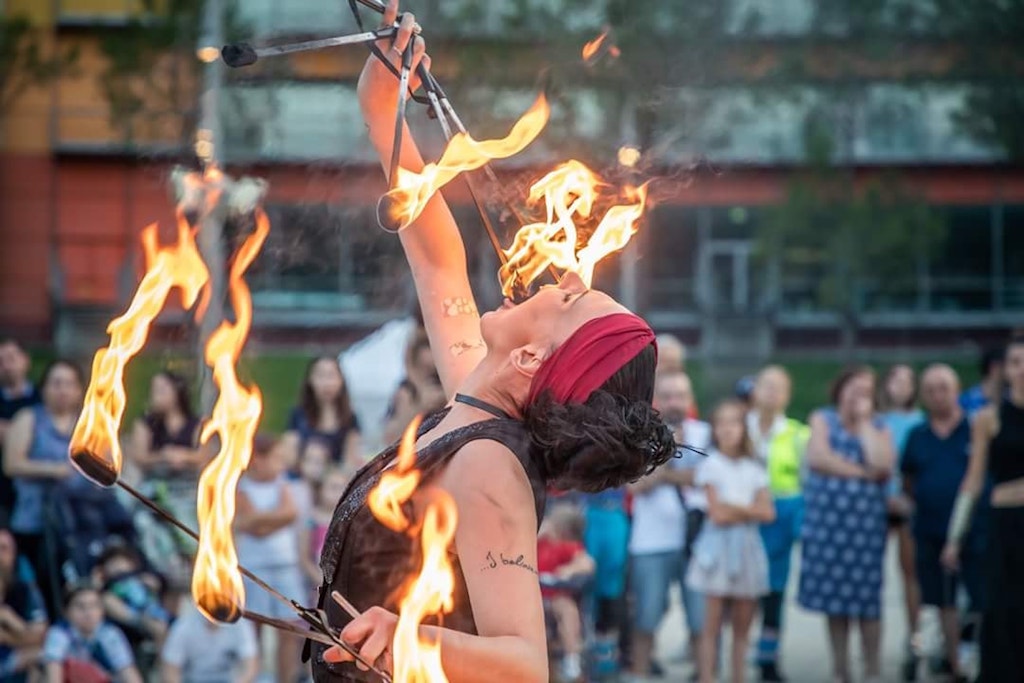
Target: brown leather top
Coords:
[(370, 564)]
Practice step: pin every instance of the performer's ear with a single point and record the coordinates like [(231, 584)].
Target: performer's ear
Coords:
[(527, 359)]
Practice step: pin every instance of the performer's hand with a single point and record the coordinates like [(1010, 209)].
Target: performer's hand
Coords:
[(371, 632), (378, 87)]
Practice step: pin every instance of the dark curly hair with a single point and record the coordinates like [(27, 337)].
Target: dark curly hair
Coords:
[(615, 437)]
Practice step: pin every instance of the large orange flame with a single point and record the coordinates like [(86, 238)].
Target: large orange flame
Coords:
[(216, 582), (95, 449), (417, 658), (411, 191), (570, 193)]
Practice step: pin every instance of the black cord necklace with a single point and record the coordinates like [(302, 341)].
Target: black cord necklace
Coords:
[(483, 405)]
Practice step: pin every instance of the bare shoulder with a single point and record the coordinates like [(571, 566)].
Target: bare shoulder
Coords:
[(23, 421), (486, 474)]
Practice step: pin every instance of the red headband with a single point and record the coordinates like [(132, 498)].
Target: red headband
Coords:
[(589, 357)]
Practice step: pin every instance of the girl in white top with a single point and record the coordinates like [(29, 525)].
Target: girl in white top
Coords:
[(268, 544), (729, 562)]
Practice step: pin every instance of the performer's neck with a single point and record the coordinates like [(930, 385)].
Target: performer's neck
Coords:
[(483, 384)]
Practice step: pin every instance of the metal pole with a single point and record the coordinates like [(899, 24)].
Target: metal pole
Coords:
[(210, 239)]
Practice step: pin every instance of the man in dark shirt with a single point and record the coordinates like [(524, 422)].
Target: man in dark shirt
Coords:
[(934, 463), (16, 392)]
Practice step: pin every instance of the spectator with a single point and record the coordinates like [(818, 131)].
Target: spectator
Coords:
[(744, 390), (996, 446), (671, 355), (314, 532), (267, 544), (934, 463), (671, 360), (22, 618), (84, 647), (992, 385), (325, 412), (850, 455), (198, 650), (563, 563), (897, 402), (16, 392), (165, 447), (658, 537), (606, 539), (729, 565), (15, 568), (36, 458), (131, 596), (779, 442), (420, 393)]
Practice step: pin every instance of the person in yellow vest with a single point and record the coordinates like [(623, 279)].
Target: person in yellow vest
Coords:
[(780, 442)]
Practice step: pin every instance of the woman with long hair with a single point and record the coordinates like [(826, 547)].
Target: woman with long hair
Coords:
[(325, 414), (997, 452), (850, 455), (164, 446), (554, 391), (36, 459), (897, 405)]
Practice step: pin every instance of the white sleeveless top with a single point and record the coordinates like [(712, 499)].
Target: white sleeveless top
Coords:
[(279, 549)]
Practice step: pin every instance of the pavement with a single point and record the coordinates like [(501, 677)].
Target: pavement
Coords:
[(805, 652)]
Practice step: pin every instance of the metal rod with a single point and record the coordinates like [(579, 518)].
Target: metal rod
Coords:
[(243, 54), (345, 604), (322, 638), (403, 98), (174, 520), (256, 616)]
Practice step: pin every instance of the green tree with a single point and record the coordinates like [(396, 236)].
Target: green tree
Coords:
[(850, 241), (153, 77), (24, 63)]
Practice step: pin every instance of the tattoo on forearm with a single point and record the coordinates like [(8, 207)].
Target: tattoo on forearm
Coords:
[(459, 348), (492, 562), (455, 306)]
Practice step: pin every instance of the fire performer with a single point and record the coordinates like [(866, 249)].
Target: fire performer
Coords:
[(554, 391)]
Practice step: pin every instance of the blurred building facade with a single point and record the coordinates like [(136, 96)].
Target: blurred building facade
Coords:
[(720, 97)]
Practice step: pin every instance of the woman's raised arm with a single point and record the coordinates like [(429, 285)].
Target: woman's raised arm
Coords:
[(432, 244)]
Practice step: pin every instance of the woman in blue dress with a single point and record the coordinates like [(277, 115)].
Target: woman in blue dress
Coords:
[(851, 456)]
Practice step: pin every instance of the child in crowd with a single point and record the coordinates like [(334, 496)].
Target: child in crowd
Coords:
[(22, 629), (85, 648), (563, 564), (267, 543), (313, 534), (131, 596), (729, 564), (198, 650)]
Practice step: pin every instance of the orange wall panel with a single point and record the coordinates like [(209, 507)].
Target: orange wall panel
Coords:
[(25, 225)]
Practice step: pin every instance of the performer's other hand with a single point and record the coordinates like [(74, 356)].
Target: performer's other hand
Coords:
[(374, 629), (378, 87)]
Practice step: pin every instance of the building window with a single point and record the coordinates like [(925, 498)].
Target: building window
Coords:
[(669, 258), (1013, 257), (961, 273), (326, 257)]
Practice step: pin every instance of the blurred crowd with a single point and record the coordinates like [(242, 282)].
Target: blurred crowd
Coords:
[(95, 587)]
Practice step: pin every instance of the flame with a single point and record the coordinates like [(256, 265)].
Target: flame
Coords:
[(591, 48), (397, 486), (417, 658), (94, 444), (412, 191), (216, 582), (569, 193)]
